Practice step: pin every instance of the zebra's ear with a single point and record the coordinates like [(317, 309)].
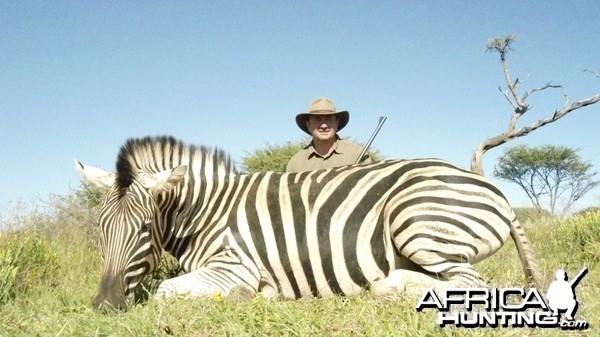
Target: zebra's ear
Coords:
[(95, 176), (165, 180)]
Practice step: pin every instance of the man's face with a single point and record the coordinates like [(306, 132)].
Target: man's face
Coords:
[(323, 127)]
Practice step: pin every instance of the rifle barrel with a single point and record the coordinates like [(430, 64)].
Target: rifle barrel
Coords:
[(366, 147)]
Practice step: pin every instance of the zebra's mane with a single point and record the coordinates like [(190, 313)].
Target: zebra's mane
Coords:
[(155, 154)]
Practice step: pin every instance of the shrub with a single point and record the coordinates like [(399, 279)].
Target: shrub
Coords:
[(590, 209), (581, 236), (35, 244), (8, 273), (272, 157), (530, 215), (27, 261)]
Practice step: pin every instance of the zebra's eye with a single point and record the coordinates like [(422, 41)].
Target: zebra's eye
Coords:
[(145, 227)]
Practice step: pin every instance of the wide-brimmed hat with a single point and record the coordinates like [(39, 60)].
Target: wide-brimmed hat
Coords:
[(322, 106)]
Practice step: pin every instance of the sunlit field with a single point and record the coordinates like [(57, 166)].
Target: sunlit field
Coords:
[(50, 268)]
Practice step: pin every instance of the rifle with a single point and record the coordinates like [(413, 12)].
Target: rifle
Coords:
[(575, 280), (366, 148)]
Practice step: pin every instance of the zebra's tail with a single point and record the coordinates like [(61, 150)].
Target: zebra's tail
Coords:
[(530, 267)]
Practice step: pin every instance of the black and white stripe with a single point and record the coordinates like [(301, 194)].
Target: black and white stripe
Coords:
[(302, 234)]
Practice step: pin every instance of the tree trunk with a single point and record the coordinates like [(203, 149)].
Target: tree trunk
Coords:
[(511, 132)]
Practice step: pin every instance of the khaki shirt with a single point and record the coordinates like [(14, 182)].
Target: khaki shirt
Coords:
[(344, 153)]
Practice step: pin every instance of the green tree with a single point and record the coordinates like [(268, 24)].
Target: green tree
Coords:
[(275, 157), (90, 196), (272, 157), (555, 173)]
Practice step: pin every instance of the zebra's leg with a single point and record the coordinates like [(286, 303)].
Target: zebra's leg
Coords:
[(224, 274), (204, 281), (406, 282), (412, 283), (408, 279), (443, 270), (450, 263), (437, 264)]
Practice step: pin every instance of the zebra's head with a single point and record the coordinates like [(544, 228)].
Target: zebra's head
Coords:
[(130, 227)]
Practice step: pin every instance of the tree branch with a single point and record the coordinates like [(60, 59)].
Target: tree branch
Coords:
[(591, 71), (505, 93), (547, 86), (519, 105), (511, 132)]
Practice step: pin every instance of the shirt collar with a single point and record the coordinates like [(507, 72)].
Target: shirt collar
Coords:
[(336, 149)]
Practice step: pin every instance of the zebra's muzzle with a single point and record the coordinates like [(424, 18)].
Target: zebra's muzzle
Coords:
[(111, 294)]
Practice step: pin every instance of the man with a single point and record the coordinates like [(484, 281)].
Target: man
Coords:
[(322, 121)]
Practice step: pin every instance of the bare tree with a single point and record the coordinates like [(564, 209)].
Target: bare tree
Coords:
[(502, 45)]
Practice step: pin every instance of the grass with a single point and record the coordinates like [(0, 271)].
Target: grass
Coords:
[(59, 268)]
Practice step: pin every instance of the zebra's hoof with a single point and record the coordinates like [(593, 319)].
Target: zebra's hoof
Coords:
[(240, 294)]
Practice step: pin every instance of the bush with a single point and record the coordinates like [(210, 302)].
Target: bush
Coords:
[(581, 236), (27, 262), (531, 215), (38, 247), (272, 157), (590, 209), (8, 274)]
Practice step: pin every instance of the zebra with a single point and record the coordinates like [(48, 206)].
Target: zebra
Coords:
[(392, 226)]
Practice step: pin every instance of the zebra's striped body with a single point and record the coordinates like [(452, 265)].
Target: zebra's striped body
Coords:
[(303, 234)]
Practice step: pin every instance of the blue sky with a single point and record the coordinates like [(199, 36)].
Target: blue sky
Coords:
[(77, 78)]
